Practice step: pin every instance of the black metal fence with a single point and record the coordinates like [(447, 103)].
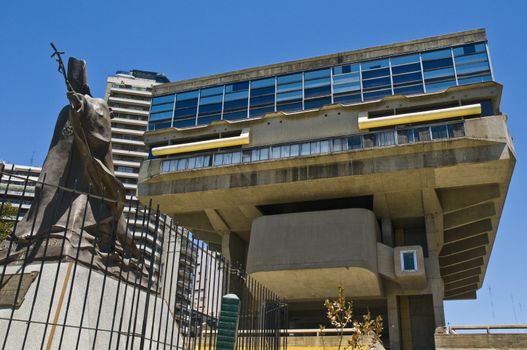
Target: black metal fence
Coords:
[(70, 287)]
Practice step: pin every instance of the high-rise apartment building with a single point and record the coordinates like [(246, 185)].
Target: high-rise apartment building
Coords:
[(383, 170)]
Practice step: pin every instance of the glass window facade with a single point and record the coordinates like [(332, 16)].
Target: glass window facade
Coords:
[(384, 138), (409, 74)]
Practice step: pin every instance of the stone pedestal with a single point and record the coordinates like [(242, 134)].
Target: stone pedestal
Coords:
[(52, 301)]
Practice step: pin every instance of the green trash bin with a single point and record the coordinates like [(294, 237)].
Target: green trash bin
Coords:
[(228, 322)]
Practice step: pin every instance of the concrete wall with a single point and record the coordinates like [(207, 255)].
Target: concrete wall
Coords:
[(307, 255), (480, 341)]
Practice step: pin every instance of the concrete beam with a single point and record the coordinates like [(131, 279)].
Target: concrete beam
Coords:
[(469, 215), (461, 275), (462, 283), (462, 290), (464, 245), (469, 230), (462, 257), (453, 199), (478, 262)]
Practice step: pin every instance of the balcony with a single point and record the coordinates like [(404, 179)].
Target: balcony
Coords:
[(398, 136)]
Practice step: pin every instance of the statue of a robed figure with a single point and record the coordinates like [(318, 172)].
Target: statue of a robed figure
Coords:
[(78, 205)]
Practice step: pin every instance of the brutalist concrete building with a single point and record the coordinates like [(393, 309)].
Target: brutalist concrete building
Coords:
[(383, 170)]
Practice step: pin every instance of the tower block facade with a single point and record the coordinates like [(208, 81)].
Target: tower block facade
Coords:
[(384, 170)]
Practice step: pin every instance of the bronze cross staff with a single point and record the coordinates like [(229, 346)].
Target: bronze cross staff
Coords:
[(61, 68)]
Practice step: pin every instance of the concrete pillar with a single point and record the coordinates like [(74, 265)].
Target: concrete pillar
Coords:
[(433, 271), (394, 329), (387, 232), (233, 248)]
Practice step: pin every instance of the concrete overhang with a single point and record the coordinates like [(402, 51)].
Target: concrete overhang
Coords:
[(301, 256)]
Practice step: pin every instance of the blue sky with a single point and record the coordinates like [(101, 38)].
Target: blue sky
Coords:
[(185, 39)]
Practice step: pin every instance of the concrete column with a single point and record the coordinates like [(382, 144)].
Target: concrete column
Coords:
[(233, 248), (387, 232), (434, 274), (394, 329)]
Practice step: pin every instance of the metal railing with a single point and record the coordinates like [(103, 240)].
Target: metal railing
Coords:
[(396, 136), (53, 297), (485, 328)]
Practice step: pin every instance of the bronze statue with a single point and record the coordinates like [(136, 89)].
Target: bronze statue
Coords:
[(79, 158)]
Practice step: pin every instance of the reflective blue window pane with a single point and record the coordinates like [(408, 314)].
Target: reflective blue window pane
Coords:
[(376, 95), (435, 55), (235, 115), (159, 116), (262, 100), (233, 105), (236, 157), (216, 90), (183, 123), (187, 95), (210, 109), (187, 103), (409, 263), (185, 112), (355, 86), (347, 98), (159, 125), (289, 96), (236, 95), (256, 112), (439, 132), (355, 142), (319, 91), (440, 86), (316, 82), (244, 85), (316, 103), (471, 58), (315, 74), (315, 147), (163, 107), (439, 73), (295, 150), (375, 73), (436, 64), (264, 153), (405, 136), (208, 119), (262, 83), (408, 90), (404, 59), (472, 68), (415, 67), (163, 99), (473, 80), (289, 87), (275, 152), (285, 151), (374, 64), (469, 49), (325, 146), (210, 99), (305, 149), (376, 83), (285, 79), (456, 130), (289, 107), (269, 90), (218, 159), (346, 78), (407, 78), (346, 69)]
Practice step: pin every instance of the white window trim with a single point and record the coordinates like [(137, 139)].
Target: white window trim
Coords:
[(414, 253)]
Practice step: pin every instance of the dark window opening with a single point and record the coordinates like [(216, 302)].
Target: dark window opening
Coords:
[(364, 202)]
